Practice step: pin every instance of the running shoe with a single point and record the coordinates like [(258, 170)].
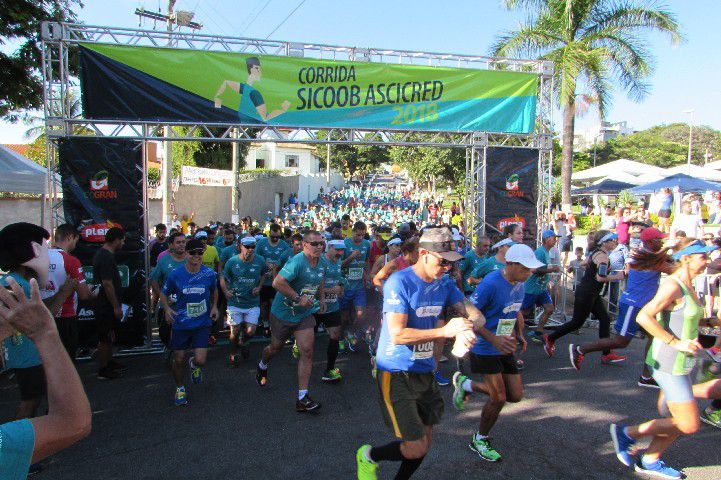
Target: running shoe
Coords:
[(537, 337), (482, 446), (196, 374), (657, 469), (245, 351), (623, 444), (575, 356), (295, 350), (261, 376), (460, 396), (118, 367), (341, 346), (441, 380), (549, 346), (647, 382), (233, 361), (306, 404), (612, 358), (332, 376), (180, 397), (107, 373), (366, 468), (352, 341), (711, 417)]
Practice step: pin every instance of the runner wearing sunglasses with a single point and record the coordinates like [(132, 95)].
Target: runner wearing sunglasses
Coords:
[(276, 252), (241, 281), (194, 287), (300, 295)]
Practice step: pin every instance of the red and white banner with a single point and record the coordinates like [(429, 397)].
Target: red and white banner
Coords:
[(208, 177)]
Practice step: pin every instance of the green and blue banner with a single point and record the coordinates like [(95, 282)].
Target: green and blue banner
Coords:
[(121, 82)]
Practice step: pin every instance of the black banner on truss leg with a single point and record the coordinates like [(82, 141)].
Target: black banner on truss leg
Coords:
[(102, 182), (511, 189)]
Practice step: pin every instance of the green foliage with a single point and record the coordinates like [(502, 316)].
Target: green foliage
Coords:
[(20, 80), (432, 166), (204, 154), (586, 223), (352, 160), (663, 146), (154, 174), (624, 197), (257, 173), (595, 45)]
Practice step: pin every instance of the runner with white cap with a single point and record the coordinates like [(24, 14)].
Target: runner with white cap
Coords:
[(537, 286), (499, 298)]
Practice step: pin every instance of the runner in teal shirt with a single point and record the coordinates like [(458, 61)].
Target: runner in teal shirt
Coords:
[(305, 280), (241, 278)]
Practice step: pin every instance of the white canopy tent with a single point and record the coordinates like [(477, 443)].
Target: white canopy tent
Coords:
[(20, 175), (622, 170)]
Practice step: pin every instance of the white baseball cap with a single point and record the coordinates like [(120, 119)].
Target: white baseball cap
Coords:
[(505, 241), (521, 253)]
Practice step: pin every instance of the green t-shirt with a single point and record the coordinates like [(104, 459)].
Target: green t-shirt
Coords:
[(539, 283), (333, 277), (487, 266), (241, 278), (274, 255), (305, 280), (467, 266), (165, 265), (227, 253), (211, 257), (354, 270)]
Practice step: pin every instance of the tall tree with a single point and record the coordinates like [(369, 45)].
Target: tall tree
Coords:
[(20, 80), (594, 44)]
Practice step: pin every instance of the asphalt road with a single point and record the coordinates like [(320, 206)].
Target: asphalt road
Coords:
[(234, 430)]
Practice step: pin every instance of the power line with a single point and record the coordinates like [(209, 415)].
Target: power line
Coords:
[(255, 17), (250, 14), (285, 19)]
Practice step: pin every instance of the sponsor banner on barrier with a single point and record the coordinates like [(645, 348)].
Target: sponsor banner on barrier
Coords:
[(512, 189), (148, 83), (208, 177), (102, 188)]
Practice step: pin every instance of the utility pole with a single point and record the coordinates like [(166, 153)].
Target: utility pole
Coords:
[(690, 139), (235, 204), (181, 19)]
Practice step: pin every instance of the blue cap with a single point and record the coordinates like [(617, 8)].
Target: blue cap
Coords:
[(548, 233), (608, 237), (338, 244), (247, 241), (695, 247)]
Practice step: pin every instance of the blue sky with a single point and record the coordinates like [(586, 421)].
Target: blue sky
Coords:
[(686, 76)]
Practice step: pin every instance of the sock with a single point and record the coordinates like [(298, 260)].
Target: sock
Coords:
[(645, 377), (332, 353), (408, 467), (716, 404), (578, 350), (301, 394), (390, 452), (262, 365), (646, 462), (192, 363), (478, 436), (466, 385)]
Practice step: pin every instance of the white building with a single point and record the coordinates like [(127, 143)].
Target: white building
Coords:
[(294, 158), (600, 133)]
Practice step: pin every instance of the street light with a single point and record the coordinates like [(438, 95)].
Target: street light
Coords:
[(690, 138)]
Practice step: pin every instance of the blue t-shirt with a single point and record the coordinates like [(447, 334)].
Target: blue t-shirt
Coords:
[(241, 278), (17, 442), (20, 351), (193, 292), (354, 269), (305, 280), (499, 301), (423, 302), (333, 278), (274, 255), (641, 287), (539, 283)]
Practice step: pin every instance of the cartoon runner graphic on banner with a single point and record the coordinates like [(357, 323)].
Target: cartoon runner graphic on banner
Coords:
[(252, 105)]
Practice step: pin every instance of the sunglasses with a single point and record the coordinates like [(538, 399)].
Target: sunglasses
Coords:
[(273, 237), (249, 247), (443, 262), (316, 244), (196, 251)]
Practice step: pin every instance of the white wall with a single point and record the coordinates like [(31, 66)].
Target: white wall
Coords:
[(309, 185)]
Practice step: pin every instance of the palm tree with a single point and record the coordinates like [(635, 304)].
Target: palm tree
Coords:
[(37, 122), (595, 45)]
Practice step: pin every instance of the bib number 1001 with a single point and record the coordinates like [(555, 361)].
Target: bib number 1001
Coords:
[(412, 113)]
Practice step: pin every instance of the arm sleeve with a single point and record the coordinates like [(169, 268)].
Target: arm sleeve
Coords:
[(169, 288), (454, 295), (73, 268), (256, 98), (226, 271), (17, 442), (103, 271), (481, 296), (289, 271)]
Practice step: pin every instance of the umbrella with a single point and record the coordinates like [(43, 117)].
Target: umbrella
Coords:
[(684, 182), (606, 187)]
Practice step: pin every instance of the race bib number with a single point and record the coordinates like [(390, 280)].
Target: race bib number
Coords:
[(505, 326), (355, 274), (422, 351), (196, 309), (308, 292), (331, 297)]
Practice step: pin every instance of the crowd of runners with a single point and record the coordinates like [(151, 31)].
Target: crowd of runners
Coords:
[(391, 271)]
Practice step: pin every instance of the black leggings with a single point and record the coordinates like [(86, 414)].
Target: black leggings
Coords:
[(586, 303)]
